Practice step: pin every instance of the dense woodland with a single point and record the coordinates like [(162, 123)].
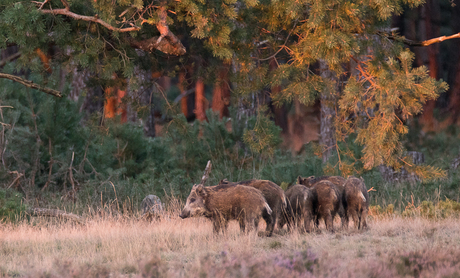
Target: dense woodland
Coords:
[(113, 100)]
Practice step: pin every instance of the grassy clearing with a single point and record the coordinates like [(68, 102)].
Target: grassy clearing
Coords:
[(394, 247)]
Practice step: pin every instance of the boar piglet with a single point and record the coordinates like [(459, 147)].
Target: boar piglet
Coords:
[(223, 203), (301, 209)]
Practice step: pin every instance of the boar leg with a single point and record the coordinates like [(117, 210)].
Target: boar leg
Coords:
[(354, 216), (242, 222), (328, 220), (307, 218), (364, 219), (270, 222)]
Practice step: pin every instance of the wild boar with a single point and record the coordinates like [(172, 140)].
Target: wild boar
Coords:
[(273, 194), (224, 203), (338, 182), (356, 202), (302, 208), (329, 203)]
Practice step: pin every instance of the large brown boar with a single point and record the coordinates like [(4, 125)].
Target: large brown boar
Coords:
[(224, 203), (301, 209), (338, 182), (329, 203), (273, 194), (356, 202)]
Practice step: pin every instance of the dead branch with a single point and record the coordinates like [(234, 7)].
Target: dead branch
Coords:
[(207, 171), (94, 19), (167, 42), (19, 175), (31, 84), (420, 43), (56, 213)]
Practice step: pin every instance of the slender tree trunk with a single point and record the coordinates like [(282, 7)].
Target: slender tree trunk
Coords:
[(200, 100)]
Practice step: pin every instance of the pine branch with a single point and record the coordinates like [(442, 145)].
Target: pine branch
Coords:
[(167, 42), (94, 19), (31, 84)]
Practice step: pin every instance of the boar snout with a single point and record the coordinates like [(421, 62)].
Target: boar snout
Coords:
[(184, 214)]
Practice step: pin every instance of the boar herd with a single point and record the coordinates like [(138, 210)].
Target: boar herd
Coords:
[(302, 206)]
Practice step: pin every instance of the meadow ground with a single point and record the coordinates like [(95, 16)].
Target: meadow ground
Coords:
[(394, 246)]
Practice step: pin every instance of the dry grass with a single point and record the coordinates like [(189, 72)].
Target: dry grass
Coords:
[(172, 247)]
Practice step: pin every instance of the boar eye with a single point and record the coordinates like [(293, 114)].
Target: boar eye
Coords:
[(192, 200)]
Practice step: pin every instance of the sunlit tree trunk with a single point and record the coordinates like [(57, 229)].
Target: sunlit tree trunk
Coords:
[(200, 100), (114, 105), (221, 94)]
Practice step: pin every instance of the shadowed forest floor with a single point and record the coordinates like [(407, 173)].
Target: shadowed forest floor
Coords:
[(172, 247)]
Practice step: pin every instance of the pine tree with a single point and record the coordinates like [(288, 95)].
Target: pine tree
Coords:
[(372, 77)]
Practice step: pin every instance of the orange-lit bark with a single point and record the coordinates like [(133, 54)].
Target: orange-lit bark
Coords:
[(200, 100), (221, 94), (45, 60), (114, 105), (182, 88)]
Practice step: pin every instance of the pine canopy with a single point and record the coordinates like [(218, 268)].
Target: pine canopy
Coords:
[(371, 73)]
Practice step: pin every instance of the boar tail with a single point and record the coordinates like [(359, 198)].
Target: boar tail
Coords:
[(267, 207), (361, 195)]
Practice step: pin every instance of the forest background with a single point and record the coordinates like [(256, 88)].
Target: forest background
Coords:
[(104, 102)]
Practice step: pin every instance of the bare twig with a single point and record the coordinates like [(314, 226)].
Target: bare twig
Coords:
[(71, 174), (31, 84), (206, 173)]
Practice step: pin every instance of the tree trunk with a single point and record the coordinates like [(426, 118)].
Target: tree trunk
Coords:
[(114, 105), (328, 104), (200, 100), (221, 94), (429, 28)]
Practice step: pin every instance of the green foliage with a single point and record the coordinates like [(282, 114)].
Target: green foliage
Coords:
[(11, 205)]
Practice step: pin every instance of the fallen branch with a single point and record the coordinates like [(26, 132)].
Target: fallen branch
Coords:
[(31, 84), (56, 213)]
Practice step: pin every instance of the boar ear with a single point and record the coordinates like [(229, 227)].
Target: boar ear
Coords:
[(200, 190), (299, 180)]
